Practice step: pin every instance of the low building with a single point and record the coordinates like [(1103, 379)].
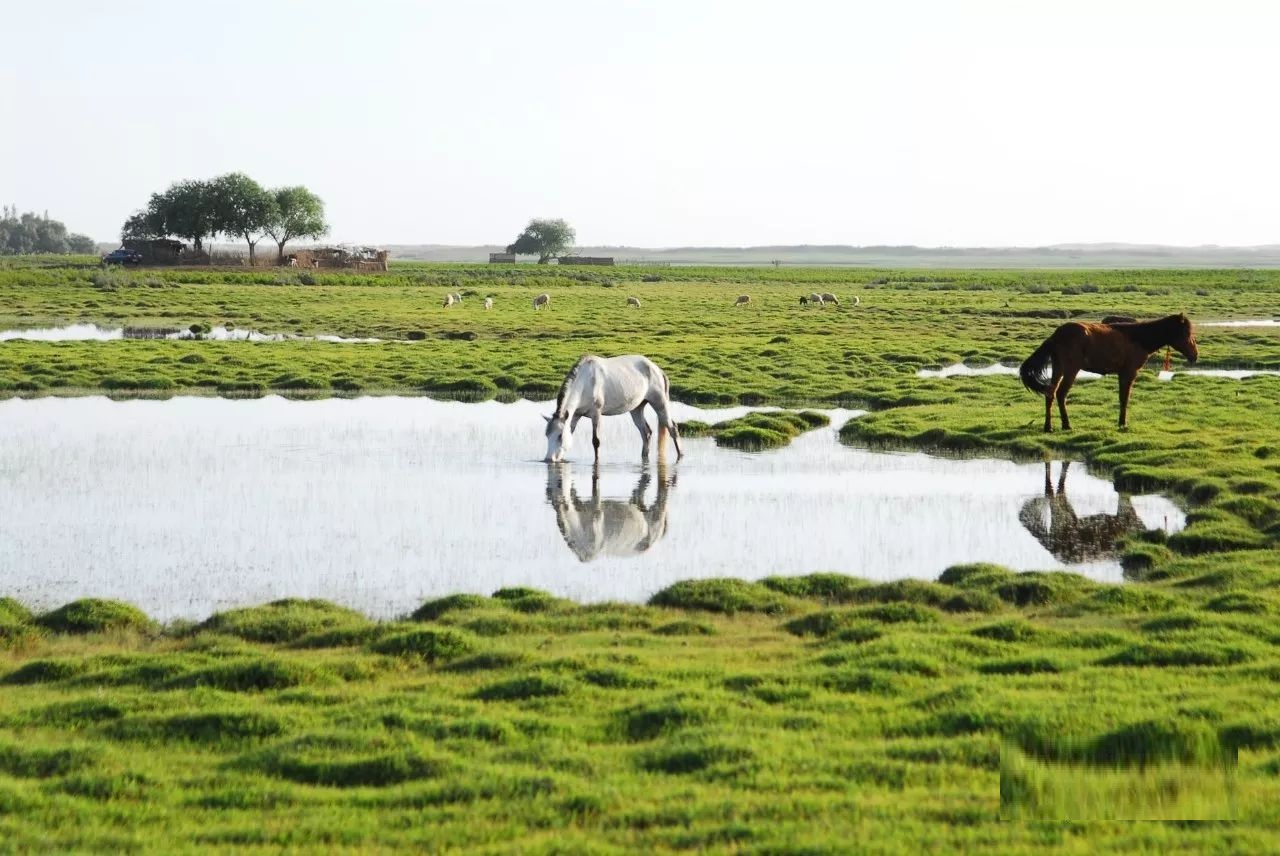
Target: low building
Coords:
[(156, 251), (502, 258), (346, 258), (586, 260)]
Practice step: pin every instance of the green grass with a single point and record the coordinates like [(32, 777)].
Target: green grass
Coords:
[(728, 728), (817, 714)]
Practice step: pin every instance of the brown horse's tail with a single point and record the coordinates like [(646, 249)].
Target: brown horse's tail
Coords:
[(1036, 369)]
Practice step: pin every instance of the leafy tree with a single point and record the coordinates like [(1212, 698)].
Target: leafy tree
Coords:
[(242, 207), (544, 239), (82, 244), (188, 210), (297, 213), (143, 224), (34, 233)]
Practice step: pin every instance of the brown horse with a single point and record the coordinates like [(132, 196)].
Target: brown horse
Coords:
[(1120, 349)]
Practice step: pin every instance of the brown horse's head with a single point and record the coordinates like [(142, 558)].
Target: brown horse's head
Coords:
[(1185, 339)]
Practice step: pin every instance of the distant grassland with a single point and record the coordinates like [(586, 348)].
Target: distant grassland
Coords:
[(773, 350), (821, 714)]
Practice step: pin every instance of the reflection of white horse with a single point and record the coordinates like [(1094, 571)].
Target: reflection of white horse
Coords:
[(609, 527), (599, 386)]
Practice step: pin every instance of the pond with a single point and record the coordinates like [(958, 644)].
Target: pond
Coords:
[(95, 333), (190, 505)]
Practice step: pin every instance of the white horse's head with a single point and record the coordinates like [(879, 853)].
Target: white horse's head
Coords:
[(559, 438)]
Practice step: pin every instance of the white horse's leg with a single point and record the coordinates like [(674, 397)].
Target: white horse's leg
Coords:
[(666, 425), (637, 416), (595, 432)]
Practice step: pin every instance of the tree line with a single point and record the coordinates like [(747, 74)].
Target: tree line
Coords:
[(233, 205), (22, 234)]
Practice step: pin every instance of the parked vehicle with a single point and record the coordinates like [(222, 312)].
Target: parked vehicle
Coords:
[(122, 257)]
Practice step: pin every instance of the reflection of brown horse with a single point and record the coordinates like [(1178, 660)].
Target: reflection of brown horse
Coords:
[(1119, 349), (1070, 538)]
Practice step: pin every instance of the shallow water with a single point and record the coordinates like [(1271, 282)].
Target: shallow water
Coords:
[(962, 370), (191, 505), (1246, 322), (94, 333)]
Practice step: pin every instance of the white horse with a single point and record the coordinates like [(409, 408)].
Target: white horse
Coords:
[(599, 386), (448, 301), (488, 303), (608, 527), (743, 300), (542, 300), (633, 301), (457, 297)]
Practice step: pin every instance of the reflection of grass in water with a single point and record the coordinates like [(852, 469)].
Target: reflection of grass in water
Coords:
[(1169, 790)]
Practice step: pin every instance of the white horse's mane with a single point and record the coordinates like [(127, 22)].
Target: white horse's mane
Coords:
[(568, 382)]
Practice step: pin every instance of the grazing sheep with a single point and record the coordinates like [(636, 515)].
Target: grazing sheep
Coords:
[(542, 300), (804, 301), (448, 301), (815, 298), (488, 303), (457, 297), (633, 301), (828, 297), (743, 300), (856, 300)]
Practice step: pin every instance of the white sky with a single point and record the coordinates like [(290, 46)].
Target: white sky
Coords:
[(663, 123)]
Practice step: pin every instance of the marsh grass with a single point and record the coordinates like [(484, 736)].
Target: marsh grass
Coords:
[(809, 714)]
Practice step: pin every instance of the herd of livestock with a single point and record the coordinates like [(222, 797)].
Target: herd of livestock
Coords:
[(826, 298)]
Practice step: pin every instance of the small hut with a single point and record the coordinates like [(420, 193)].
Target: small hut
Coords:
[(156, 251), (346, 258)]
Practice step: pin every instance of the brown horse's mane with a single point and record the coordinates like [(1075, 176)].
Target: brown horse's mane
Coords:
[(1153, 335)]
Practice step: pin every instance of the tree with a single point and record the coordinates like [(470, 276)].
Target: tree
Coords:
[(143, 224), (35, 233), (81, 244), (242, 207), (297, 213), (188, 210), (544, 239)]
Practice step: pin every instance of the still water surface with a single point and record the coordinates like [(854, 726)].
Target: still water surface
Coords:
[(190, 505)]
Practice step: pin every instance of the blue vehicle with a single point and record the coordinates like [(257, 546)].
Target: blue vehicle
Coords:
[(122, 257)]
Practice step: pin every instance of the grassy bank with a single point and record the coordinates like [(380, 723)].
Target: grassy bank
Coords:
[(817, 714)]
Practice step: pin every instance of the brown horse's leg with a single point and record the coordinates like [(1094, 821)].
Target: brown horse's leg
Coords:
[(1068, 378), (1126, 386)]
